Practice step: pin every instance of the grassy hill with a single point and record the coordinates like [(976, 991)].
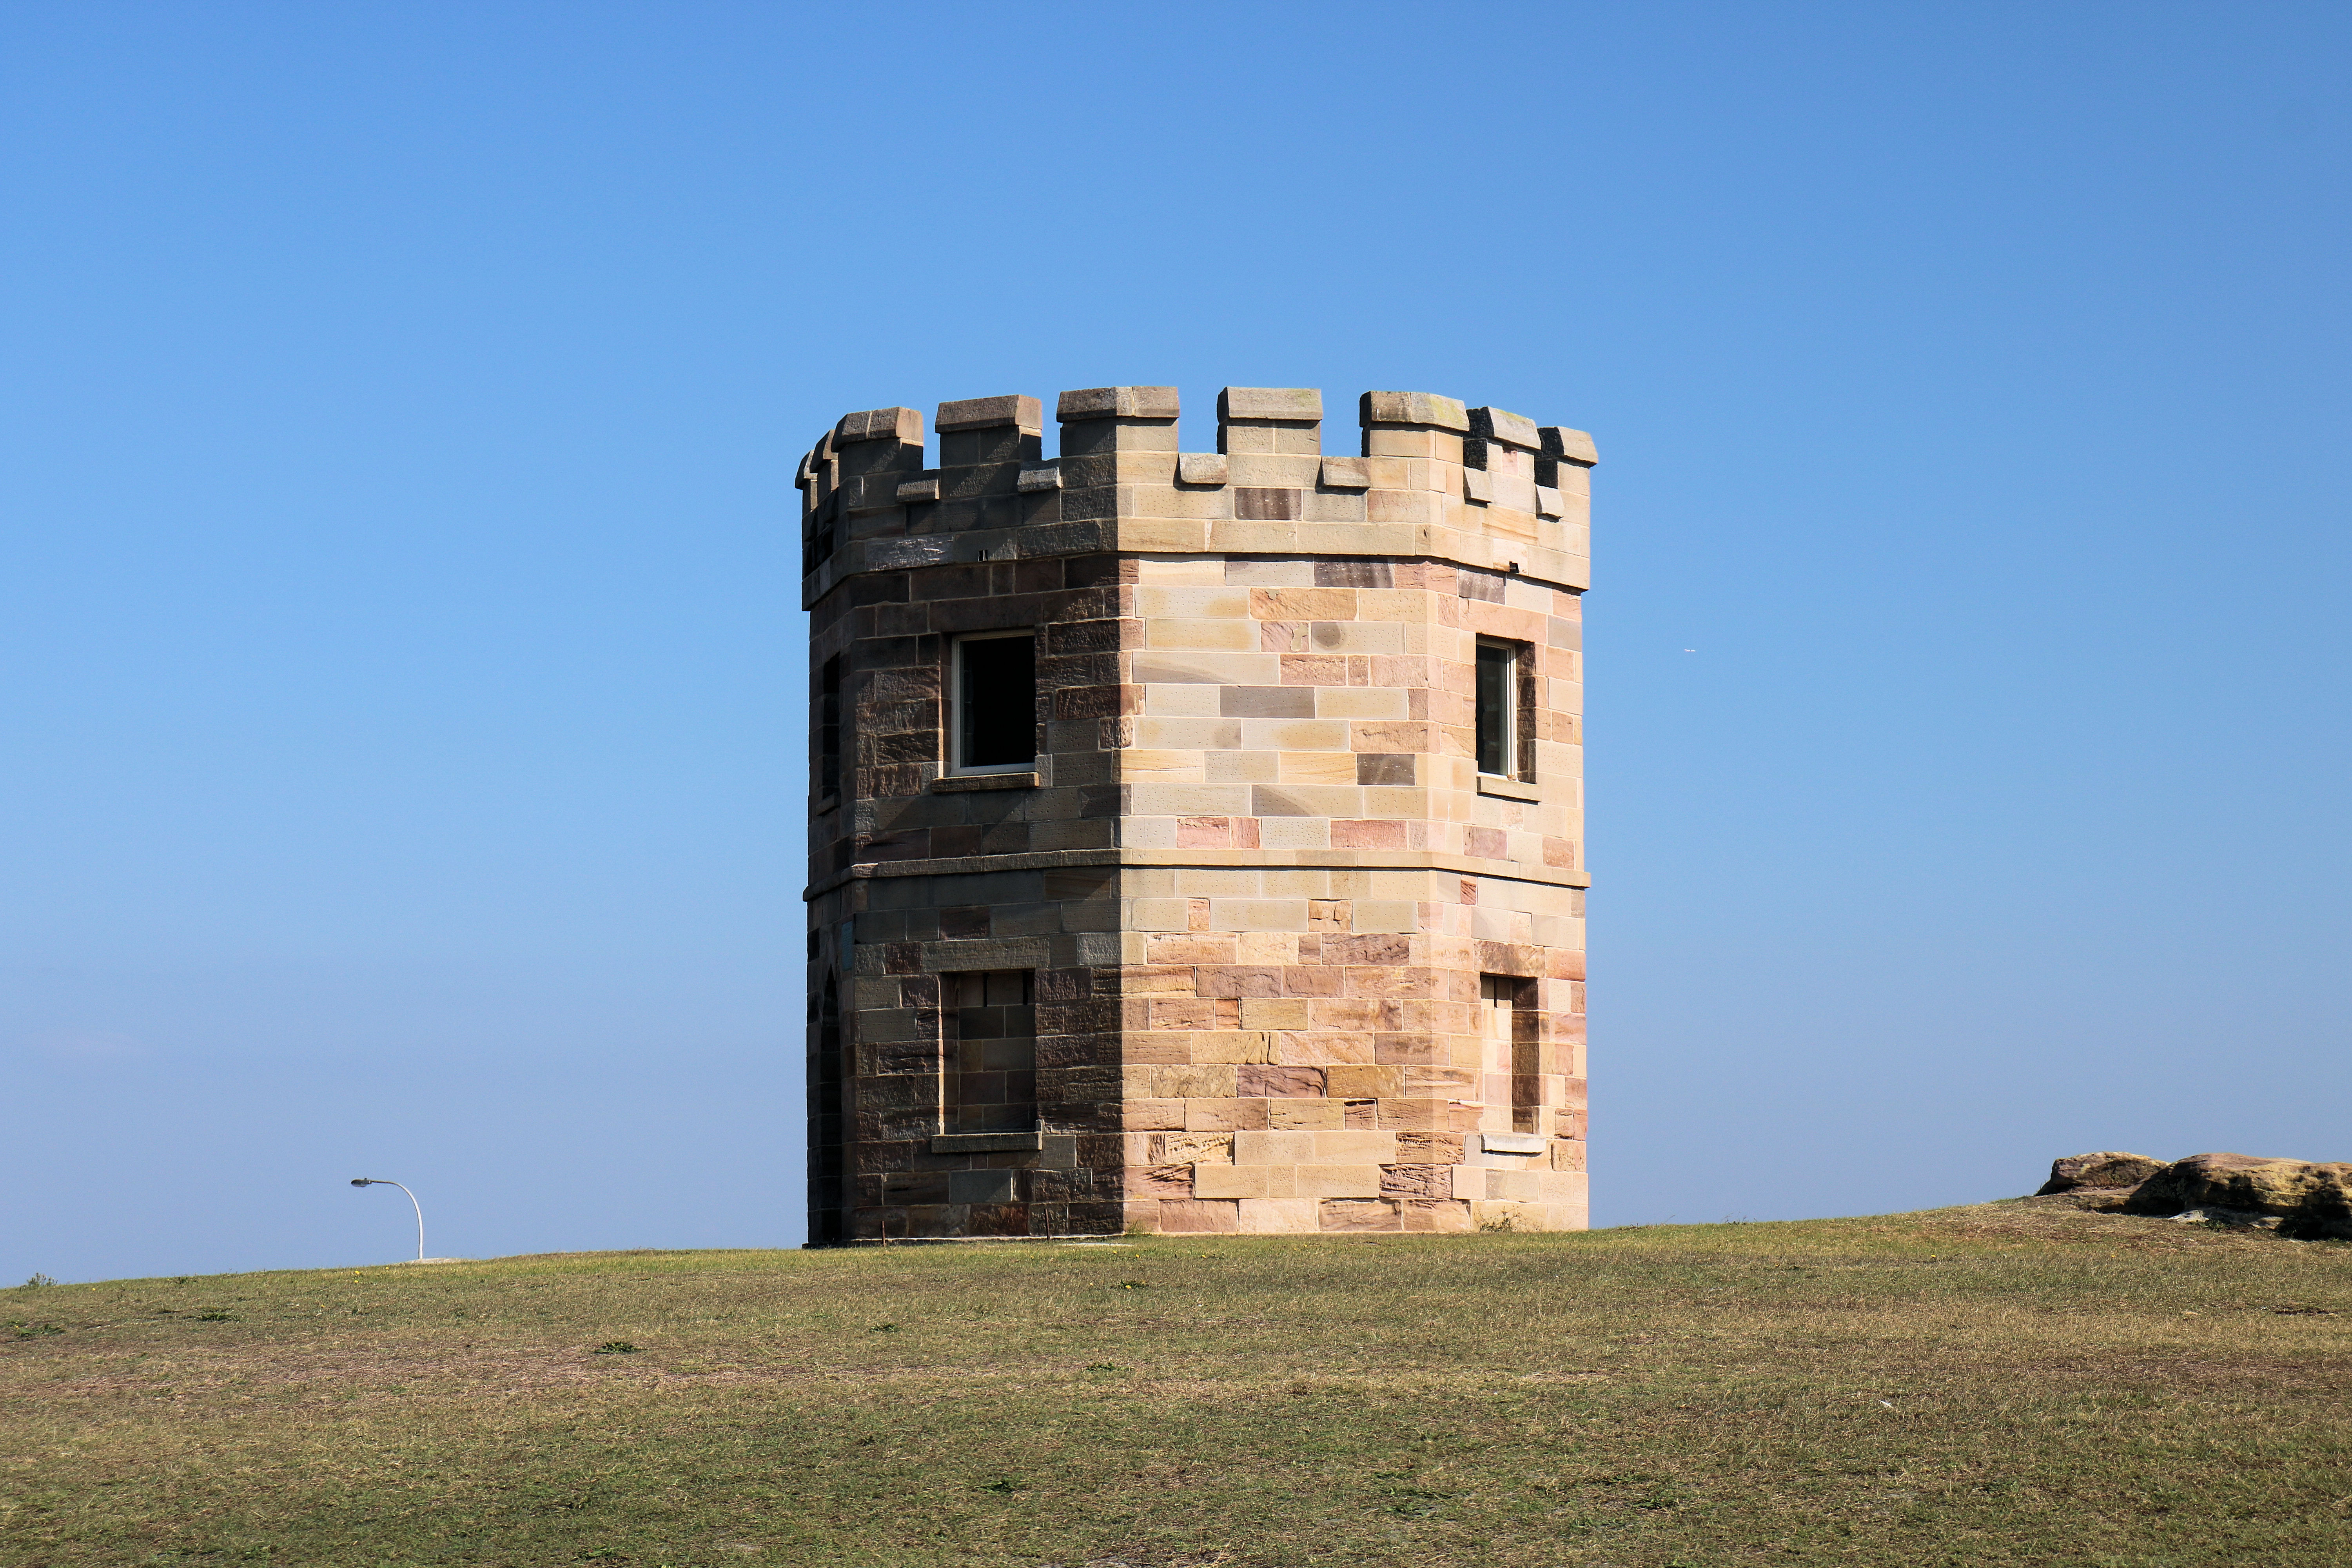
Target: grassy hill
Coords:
[(2005, 1383)]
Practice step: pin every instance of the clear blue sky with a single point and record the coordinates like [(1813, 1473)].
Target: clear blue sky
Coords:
[(401, 671)]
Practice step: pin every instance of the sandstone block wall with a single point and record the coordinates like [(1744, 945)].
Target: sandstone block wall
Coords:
[(1292, 961)]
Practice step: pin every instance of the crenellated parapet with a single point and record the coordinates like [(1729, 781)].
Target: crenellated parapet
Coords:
[(1432, 480)]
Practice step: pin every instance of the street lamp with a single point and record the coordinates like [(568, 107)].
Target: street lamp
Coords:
[(381, 1182)]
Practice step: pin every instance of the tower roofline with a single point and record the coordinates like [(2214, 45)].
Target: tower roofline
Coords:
[(1432, 479)]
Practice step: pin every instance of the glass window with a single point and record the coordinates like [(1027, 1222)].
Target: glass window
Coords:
[(1498, 709), (995, 703)]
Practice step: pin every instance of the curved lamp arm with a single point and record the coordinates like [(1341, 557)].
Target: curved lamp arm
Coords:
[(381, 1182)]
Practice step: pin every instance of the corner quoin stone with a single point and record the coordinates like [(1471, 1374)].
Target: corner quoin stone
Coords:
[(1251, 944)]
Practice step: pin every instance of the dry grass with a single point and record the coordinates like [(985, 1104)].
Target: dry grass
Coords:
[(2006, 1383)]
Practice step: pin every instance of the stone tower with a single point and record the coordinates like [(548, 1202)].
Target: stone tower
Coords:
[(1195, 839)]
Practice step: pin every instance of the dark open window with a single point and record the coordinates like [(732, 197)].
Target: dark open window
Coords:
[(991, 1068), (995, 703), (828, 729), (818, 536), (1498, 709), (1515, 1045)]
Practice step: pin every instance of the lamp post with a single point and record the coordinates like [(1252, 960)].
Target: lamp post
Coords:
[(381, 1182)]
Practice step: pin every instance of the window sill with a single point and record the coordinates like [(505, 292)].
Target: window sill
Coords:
[(986, 1142), (1507, 789), (1512, 1143), (823, 803), (956, 781)]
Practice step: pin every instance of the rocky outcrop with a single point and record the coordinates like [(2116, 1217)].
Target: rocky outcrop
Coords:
[(2236, 1219), (2313, 1202), (2107, 1168)]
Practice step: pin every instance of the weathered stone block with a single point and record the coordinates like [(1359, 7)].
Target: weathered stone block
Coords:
[(1217, 1181), (1570, 445), (983, 413), (1270, 403), (881, 425), (1278, 1217), (1266, 503), (1414, 408), (1117, 402), (1377, 1214), (1337, 1180), (1497, 424), (1194, 1215), (1280, 1082)]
